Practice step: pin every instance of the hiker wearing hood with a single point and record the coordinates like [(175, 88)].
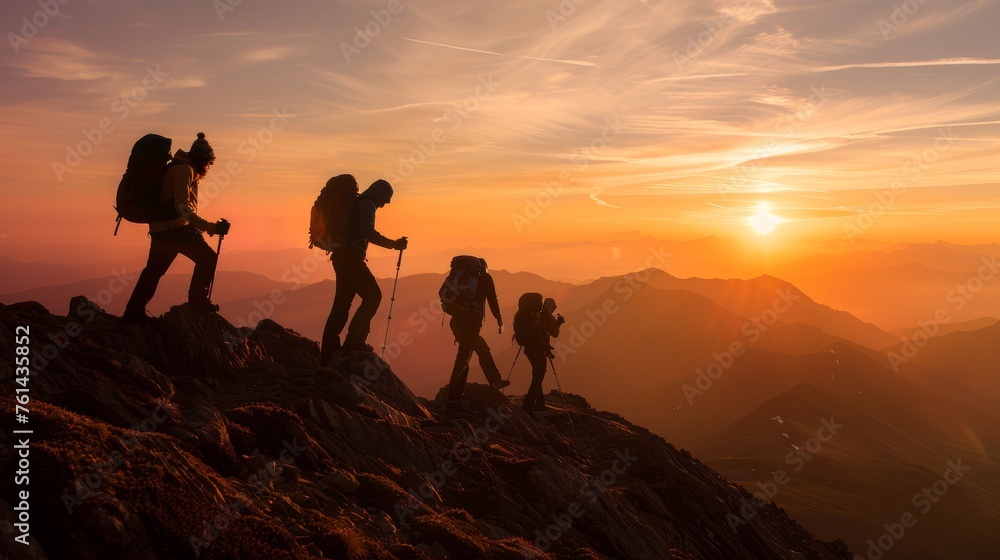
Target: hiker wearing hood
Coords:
[(181, 234), (354, 277)]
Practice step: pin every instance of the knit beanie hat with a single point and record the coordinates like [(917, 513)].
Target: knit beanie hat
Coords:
[(201, 149)]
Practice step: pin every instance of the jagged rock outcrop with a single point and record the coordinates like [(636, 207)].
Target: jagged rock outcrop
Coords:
[(190, 440)]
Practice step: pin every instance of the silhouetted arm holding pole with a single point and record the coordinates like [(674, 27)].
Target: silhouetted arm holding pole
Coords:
[(490, 289), (366, 226)]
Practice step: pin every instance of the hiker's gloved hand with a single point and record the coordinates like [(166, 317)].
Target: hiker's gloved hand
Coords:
[(560, 320), (400, 244), (222, 227), (499, 326)]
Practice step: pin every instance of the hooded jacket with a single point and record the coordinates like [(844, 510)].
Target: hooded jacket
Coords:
[(549, 328), (180, 187), (362, 226), (486, 293)]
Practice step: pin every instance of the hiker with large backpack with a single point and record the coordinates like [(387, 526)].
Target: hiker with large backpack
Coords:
[(164, 193), (534, 325), (464, 294), (345, 225)]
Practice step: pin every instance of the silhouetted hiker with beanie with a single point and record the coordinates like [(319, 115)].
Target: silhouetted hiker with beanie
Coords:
[(180, 235), (354, 277), (466, 327), (538, 351)]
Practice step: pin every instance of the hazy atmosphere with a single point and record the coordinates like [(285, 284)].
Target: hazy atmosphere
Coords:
[(767, 230)]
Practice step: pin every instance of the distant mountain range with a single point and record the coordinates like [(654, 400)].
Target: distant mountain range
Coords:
[(891, 286), (714, 364), (852, 471), (897, 288)]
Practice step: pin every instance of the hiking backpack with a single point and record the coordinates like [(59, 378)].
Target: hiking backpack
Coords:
[(459, 290), (330, 217), (138, 198), (528, 319)]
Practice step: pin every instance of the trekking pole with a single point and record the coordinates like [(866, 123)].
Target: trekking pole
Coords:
[(509, 373), (211, 285), (559, 386), (218, 251), (392, 300)]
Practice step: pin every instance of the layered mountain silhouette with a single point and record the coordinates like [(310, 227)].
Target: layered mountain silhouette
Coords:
[(660, 350), (940, 255), (963, 365), (426, 360), (892, 287), (897, 288), (801, 326), (898, 437), (945, 328), (665, 358), (864, 477), (31, 275), (197, 440)]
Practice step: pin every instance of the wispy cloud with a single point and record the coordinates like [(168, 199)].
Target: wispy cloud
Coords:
[(594, 197), (574, 62), (265, 55), (66, 60), (698, 77), (748, 11), (743, 100), (910, 64), (185, 82)]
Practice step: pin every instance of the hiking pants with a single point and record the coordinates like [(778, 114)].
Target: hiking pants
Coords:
[(163, 249), (466, 330), (353, 278), (537, 356)]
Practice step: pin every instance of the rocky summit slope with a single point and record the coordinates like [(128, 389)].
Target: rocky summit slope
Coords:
[(149, 445)]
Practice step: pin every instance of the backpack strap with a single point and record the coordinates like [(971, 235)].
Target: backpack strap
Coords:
[(166, 210)]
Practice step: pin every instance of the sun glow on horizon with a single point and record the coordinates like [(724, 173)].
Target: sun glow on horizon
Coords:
[(763, 222)]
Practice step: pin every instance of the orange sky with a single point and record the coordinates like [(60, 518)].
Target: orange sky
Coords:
[(674, 119)]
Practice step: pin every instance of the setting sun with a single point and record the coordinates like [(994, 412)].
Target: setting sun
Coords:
[(762, 230), (763, 221)]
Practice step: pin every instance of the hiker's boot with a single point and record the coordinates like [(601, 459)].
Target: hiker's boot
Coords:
[(140, 318), (539, 405), (351, 346), (203, 306), (528, 405), (328, 352), (499, 384)]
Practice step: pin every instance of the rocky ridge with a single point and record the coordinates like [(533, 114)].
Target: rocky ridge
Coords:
[(191, 441)]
